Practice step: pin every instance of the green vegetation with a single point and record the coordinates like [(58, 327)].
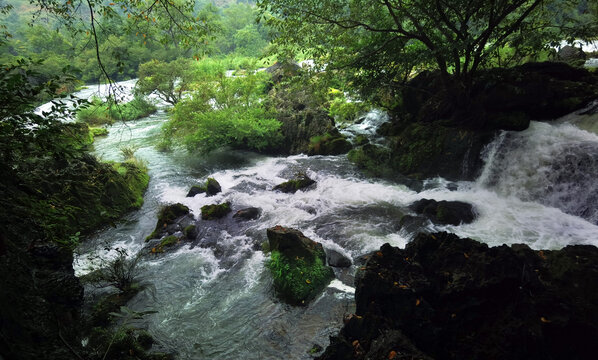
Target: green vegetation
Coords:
[(47, 172), (329, 144), (343, 109), (101, 113), (215, 211), (98, 131), (224, 111), (298, 280), (380, 45)]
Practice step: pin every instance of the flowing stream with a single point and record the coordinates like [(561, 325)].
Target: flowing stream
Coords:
[(538, 187)]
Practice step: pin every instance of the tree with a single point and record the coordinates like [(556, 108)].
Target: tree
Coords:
[(167, 80), (456, 37)]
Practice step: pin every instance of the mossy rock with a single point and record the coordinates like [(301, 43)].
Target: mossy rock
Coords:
[(215, 211), (298, 266), (190, 232), (329, 144), (210, 188), (196, 189), (302, 181), (167, 216)]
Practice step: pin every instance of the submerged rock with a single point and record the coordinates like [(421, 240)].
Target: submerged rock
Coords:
[(298, 265), (443, 297), (250, 213), (445, 212), (168, 216), (215, 211), (211, 188), (301, 181)]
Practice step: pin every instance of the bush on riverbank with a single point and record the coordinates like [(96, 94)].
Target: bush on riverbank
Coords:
[(224, 111), (100, 113)]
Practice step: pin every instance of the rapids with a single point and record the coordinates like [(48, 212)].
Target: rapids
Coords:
[(537, 188)]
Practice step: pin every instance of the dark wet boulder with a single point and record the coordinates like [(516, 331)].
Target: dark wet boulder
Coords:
[(443, 297), (196, 189), (215, 211), (336, 259), (298, 265), (250, 213), (330, 143), (190, 232), (300, 182), (168, 216), (445, 212), (210, 188)]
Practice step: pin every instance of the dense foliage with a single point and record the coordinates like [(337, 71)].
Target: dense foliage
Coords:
[(381, 43), (51, 188), (112, 39), (224, 111), (100, 112)]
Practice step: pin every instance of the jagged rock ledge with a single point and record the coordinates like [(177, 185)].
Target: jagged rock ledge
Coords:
[(449, 298)]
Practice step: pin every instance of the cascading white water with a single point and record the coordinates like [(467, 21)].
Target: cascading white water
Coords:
[(217, 302), (556, 165)]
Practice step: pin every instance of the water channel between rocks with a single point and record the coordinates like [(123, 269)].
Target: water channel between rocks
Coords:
[(218, 303)]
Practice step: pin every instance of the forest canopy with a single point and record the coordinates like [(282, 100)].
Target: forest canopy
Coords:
[(386, 40)]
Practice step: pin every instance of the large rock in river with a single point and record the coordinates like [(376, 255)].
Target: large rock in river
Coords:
[(298, 265), (443, 297), (445, 212)]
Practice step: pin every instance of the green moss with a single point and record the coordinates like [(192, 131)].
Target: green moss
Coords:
[(169, 241), (189, 231), (299, 280), (215, 211), (166, 216), (300, 182), (372, 159), (328, 144)]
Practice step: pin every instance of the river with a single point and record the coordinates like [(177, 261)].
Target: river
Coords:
[(538, 187)]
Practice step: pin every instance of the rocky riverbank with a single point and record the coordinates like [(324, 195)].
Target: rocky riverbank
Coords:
[(443, 297)]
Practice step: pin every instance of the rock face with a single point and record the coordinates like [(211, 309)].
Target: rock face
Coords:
[(300, 182), (303, 116), (298, 265), (444, 212), (571, 55), (449, 298), (283, 70)]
